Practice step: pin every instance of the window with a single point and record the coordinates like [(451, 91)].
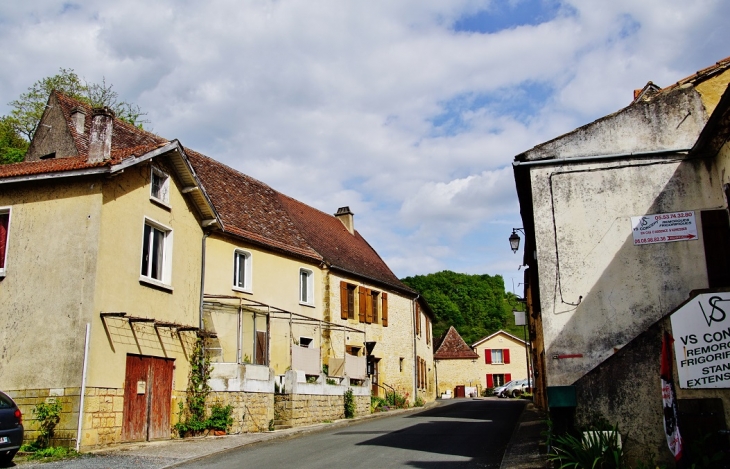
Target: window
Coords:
[(4, 227), (347, 300), (305, 342), (496, 356), (242, 271), (160, 190), (156, 253), (353, 350), (306, 287)]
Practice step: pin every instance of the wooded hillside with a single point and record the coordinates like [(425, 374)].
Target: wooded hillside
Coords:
[(476, 305)]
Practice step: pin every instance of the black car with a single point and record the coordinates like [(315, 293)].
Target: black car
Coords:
[(11, 428)]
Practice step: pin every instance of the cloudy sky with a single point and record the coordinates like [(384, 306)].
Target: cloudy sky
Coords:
[(409, 111)]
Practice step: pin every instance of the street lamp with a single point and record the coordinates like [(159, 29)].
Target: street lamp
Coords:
[(514, 239)]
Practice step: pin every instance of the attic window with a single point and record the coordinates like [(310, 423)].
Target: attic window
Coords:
[(48, 156), (160, 191)]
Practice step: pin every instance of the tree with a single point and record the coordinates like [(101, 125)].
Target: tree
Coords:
[(12, 145), (29, 107), (476, 305)]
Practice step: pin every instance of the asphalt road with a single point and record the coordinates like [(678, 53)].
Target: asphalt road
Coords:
[(457, 434)]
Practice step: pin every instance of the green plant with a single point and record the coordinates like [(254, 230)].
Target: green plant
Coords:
[(326, 370), (271, 425), (377, 404), (486, 392), (349, 399), (246, 358), (48, 414), (192, 413), (418, 402), (311, 379), (54, 453), (396, 400), (595, 450), (220, 417), (331, 381)]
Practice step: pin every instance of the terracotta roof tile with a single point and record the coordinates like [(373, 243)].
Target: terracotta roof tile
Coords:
[(452, 346), (701, 75), (53, 165)]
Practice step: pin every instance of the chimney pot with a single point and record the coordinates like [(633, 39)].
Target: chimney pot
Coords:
[(347, 218), (100, 139), (78, 117)]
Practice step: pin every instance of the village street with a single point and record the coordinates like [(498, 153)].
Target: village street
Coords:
[(459, 433)]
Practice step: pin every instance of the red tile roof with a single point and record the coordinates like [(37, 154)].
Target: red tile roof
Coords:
[(248, 208), (452, 346), (701, 75)]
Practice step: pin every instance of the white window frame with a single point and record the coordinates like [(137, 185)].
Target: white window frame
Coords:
[(494, 355), (239, 254), (306, 289), (4, 211), (164, 188), (165, 280)]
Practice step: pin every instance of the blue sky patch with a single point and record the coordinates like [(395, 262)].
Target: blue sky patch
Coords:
[(507, 14), (520, 102)]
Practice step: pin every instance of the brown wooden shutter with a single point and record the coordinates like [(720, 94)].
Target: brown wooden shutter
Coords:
[(368, 306), (428, 331), (384, 312), (418, 319), (344, 311), (362, 305), (715, 236)]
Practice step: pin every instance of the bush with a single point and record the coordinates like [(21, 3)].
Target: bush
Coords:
[(419, 402), (48, 414), (349, 404), (220, 417), (597, 449)]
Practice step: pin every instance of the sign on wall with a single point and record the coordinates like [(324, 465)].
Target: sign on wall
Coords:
[(664, 228), (701, 331)]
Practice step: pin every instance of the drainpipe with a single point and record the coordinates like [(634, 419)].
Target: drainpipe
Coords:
[(415, 351), (83, 386), (202, 278)]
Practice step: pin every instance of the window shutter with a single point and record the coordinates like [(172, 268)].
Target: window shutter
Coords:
[(505, 354), (428, 331), (343, 301), (384, 312), (487, 356), (418, 319), (368, 306), (4, 218), (490, 381), (507, 377), (362, 305)]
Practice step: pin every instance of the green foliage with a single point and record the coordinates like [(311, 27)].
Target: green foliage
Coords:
[(476, 305), (48, 414), (418, 402), (49, 454), (699, 454), (192, 414), (396, 400), (12, 145), (595, 450), (486, 392), (326, 370), (331, 381), (220, 417), (377, 404), (28, 108), (311, 379), (349, 401), (271, 425)]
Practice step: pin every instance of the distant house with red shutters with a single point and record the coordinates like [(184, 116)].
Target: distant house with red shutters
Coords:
[(489, 362)]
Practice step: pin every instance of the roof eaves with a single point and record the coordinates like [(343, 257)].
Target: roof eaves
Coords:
[(55, 175), (402, 288), (484, 339)]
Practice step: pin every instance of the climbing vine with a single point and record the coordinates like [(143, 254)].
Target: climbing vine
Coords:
[(192, 413)]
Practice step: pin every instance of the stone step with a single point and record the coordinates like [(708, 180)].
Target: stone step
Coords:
[(282, 427)]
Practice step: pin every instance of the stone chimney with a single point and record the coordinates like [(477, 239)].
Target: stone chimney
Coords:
[(78, 117), (100, 139), (347, 218)]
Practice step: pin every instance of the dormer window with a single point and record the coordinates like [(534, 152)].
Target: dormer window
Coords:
[(160, 191)]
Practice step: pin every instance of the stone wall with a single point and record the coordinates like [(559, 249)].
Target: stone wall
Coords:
[(298, 410), (251, 411)]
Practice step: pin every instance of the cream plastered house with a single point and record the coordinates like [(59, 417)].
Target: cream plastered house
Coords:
[(490, 362), (329, 314), (100, 277), (626, 220), (153, 245)]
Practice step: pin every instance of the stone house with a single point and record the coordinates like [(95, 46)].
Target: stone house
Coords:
[(254, 272), (501, 360), (625, 219)]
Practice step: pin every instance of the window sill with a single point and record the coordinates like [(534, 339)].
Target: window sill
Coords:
[(155, 283), (242, 290), (310, 305), (161, 203)]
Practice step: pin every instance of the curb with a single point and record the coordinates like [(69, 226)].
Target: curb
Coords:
[(523, 449)]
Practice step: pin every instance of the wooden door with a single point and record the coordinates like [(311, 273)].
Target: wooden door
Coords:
[(261, 348), (147, 398)]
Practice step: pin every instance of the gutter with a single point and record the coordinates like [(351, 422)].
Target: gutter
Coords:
[(375, 281), (202, 277), (611, 156)]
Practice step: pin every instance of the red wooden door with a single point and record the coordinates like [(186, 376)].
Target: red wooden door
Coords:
[(147, 397)]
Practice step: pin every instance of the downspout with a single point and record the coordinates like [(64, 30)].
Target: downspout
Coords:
[(202, 278), (415, 351), (83, 386)]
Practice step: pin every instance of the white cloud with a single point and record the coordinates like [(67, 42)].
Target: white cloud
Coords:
[(334, 102)]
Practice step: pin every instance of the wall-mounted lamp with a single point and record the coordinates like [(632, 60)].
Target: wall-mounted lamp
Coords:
[(514, 239)]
